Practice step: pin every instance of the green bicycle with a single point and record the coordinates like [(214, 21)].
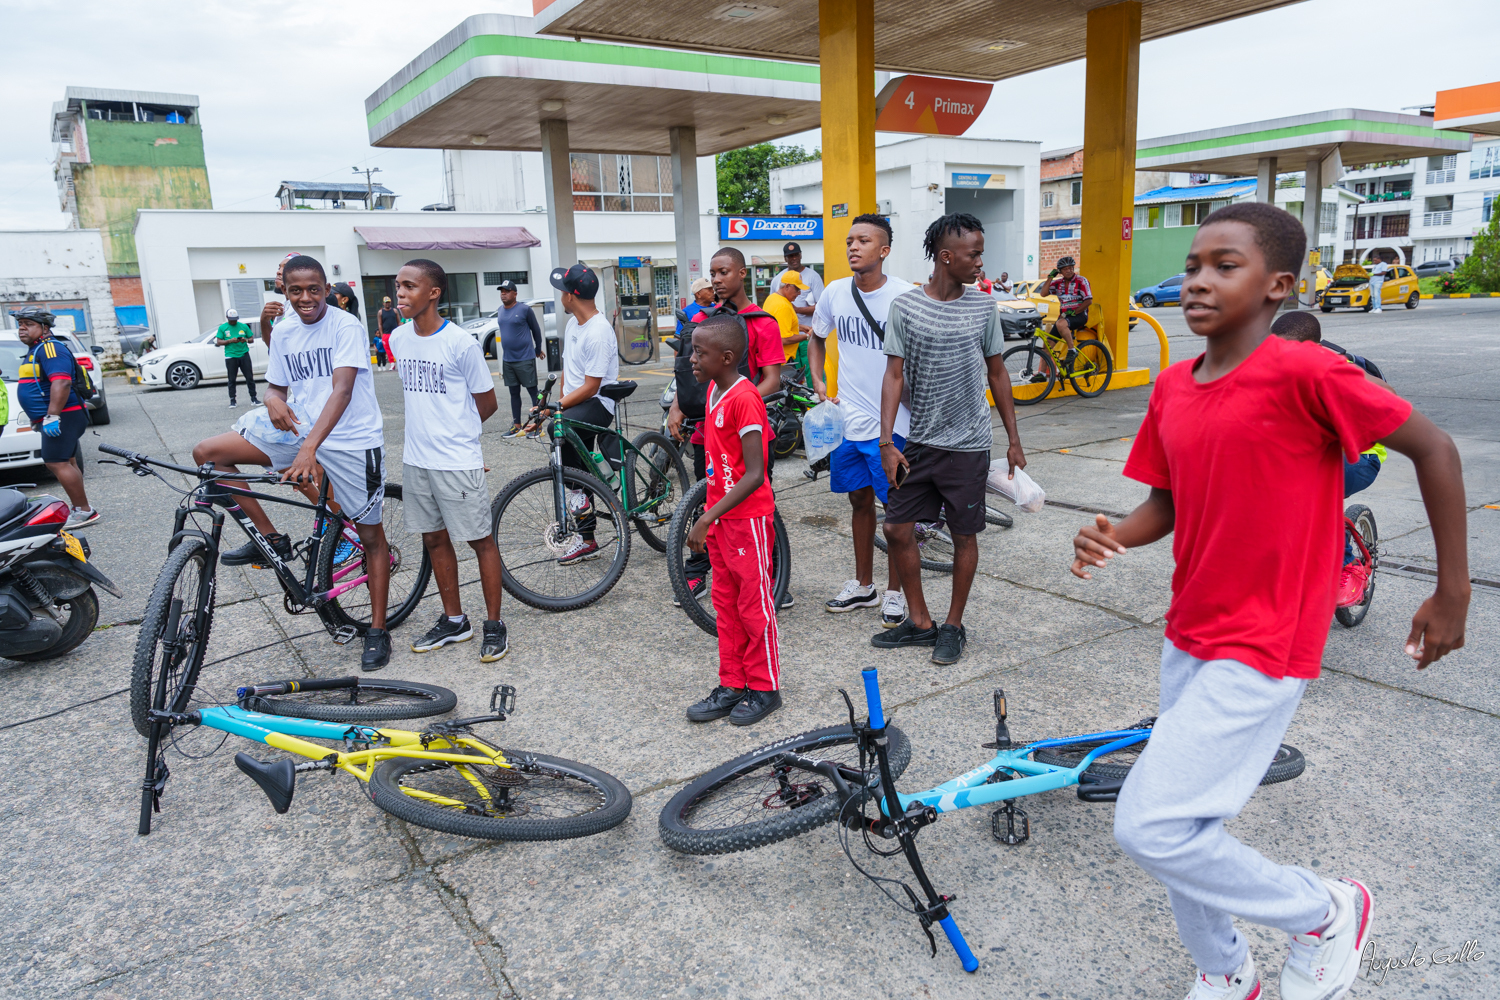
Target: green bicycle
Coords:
[(1038, 365), (564, 533)]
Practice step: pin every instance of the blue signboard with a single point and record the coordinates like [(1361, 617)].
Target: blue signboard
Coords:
[(770, 227), (978, 180), (634, 262)]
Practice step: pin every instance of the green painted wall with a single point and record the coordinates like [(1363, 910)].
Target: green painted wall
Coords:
[(1158, 253), (145, 144)]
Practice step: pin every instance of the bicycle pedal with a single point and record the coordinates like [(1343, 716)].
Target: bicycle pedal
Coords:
[(344, 633), (1010, 836)]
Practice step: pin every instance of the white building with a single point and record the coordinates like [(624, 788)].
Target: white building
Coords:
[(917, 180), (65, 271)]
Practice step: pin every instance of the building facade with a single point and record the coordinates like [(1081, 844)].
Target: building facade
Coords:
[(1428, 208), (66, 272)]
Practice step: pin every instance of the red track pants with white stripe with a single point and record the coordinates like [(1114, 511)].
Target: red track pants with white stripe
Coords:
[(739, 550)]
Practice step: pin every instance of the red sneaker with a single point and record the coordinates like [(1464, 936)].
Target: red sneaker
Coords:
[(1352, 584)]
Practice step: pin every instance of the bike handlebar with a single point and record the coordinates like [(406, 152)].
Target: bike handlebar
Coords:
[(201, 472), (872, 698), (291, 687), (956, 939)]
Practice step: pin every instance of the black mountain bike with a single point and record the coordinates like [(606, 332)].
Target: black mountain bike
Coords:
[(179, 615)]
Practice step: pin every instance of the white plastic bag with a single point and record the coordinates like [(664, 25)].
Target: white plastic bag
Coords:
[(822, 430), (1021, 490), (257, 422)]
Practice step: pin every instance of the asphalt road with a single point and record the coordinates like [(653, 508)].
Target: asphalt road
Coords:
[(227, 899)]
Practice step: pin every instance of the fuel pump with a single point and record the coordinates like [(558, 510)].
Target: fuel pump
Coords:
[(626, 289)]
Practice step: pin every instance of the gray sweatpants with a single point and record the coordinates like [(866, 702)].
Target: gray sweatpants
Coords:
[(1220, 725)]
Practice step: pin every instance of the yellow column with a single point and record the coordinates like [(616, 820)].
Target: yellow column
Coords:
[(846, 54), (1112, 50)]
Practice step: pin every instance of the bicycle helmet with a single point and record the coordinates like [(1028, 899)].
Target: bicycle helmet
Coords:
[(36, 314), (1066, 262)]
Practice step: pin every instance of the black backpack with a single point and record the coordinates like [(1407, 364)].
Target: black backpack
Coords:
[(1362, 362), (83, 385), (692, 395)]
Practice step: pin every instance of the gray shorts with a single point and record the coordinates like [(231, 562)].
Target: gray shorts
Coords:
[(439, 499), (356, 478), (519, 372)]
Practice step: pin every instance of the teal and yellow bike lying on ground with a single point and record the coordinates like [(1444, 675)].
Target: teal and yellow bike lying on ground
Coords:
[(848, 773)]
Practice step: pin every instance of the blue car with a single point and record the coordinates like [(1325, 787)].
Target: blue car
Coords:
[(1168, 293)]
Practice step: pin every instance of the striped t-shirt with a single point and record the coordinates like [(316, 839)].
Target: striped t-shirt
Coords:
[(944, 345)]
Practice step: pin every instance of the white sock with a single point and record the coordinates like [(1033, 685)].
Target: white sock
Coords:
[(456, 619)]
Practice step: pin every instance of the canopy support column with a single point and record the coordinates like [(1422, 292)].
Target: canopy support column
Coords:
[(1312, 211), (562, 240), (1265, 180), (685, 210)]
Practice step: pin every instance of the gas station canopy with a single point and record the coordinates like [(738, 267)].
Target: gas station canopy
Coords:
[(1475, 109)]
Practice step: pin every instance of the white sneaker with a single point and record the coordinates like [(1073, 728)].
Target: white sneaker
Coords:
[(1323, 965), (578, 502), (1241, 984), (854, 595), (80, 517), (892, 609)]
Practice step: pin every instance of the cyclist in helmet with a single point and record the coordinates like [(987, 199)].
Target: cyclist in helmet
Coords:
[(44, 385), (1074, 297)]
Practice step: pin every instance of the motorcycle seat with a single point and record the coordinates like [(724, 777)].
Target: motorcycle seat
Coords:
[(12, 502)]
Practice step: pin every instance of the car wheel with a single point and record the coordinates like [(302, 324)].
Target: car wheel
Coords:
[(1411, 303), (183, 375), (1327, 309), (1148, 301), (489, 348), (1368, 306), (99, 416)]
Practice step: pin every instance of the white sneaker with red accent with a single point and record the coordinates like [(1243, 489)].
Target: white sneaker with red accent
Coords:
[(1322, 965), (1241, 984)]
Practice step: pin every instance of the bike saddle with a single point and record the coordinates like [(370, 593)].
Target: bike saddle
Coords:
[(277, 779), (618, 390), (12, 503)]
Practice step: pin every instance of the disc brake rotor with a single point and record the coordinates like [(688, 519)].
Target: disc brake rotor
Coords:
[(558, 542)]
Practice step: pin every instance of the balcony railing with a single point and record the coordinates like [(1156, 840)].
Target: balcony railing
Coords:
[(1437, 219), (1390, 196), (1441, 176)]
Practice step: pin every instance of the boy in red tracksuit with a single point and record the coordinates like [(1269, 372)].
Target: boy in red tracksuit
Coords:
[(737, 532)]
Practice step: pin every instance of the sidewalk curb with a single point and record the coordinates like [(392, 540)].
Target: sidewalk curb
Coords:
[(1464, 295)]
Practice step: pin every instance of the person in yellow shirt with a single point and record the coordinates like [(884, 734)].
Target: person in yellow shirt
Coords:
[(779, 304)]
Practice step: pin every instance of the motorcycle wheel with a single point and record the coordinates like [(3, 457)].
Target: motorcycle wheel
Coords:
[(83, 615)]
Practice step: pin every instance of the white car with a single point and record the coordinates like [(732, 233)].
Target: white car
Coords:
[(484, 328), (184, 366), (19, 445)]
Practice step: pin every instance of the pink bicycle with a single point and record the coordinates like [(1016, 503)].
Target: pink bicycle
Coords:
[(331, 583)]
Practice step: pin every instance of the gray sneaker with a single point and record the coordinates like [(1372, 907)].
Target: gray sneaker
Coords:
[(950, 644), (80, 518)]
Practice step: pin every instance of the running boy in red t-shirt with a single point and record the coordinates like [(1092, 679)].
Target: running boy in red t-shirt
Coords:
[(1255, 424), (736, 529)]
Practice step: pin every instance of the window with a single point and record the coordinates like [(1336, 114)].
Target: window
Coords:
[(665, 280), (1047, 235), (1062, 234), (1194, 214), (1046, 199), (245, 298), (1173, 216), (1489, 204), (1172, 282), (1077, 193), (617, 182), (1395, 225), (493, 278), (461, 301), (1328, 217), (1485, 162), (1153, 217)]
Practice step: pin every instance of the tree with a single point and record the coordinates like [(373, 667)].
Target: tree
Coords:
[(745, 175), (1481, 269)]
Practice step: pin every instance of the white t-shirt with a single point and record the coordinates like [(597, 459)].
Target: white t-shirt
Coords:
[(440, 375), (861, 355), (303, 358), (590, 349)]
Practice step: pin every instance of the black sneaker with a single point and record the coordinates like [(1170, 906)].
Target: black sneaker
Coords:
[(719, 703), (496, 644), (696, 587), (950, 644), (377, 650), (443, 633), (249, 554), (756, 705), (905, 634)]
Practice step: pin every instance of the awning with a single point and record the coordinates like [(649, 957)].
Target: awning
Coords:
[(447, 237)]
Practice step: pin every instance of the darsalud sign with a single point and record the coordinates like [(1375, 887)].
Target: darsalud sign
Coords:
[(770, 227), (929, 105)]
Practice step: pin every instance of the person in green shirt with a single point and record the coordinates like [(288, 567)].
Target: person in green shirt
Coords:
[(235, 338)]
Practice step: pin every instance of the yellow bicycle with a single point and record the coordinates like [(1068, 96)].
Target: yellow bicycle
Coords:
[(1038, 365)]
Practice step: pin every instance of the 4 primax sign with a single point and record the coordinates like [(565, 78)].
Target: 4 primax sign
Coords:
[(770, 227)]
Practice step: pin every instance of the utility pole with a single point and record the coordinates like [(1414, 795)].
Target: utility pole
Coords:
[(369, 187)]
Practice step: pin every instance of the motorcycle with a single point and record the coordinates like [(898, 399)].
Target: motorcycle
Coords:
[(47, 600)]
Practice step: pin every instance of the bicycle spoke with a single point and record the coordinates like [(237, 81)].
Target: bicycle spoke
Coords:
[(534, 793), (753, 794)]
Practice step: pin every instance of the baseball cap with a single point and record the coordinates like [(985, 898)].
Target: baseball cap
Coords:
[(698, 285), (790, 277), (577, 279), (507, 285), (791, 248), (232, 315)]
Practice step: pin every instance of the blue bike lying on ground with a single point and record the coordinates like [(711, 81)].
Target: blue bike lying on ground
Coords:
[(849, 773)]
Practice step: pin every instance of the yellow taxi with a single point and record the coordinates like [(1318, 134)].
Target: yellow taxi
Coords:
[(1350, 289)]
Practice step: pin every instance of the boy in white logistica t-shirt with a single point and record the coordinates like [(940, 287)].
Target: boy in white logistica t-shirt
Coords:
[(855, 465), (449, 394)]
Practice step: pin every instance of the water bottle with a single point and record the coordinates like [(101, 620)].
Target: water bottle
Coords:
[(822, 430)]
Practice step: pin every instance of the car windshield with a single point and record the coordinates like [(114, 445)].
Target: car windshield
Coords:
[(12, 352), (1349, 282)]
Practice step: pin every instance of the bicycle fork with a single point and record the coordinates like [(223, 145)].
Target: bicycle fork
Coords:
[(156, 761)]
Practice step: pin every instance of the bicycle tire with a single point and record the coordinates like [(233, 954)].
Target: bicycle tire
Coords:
[(1364, 520), (347, 610), (1099, 360), (936, 555), (520, 544), (1025, 362), (701, 610), (1286, 765), (998, 517), (83, 615), (656, 486), (388, 699), (784, 822), (385, 790), (192, 553)]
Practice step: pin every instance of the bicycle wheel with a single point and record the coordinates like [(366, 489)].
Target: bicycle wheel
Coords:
[(998, 517), (655, 479), (1364, 522), (340, 562), (530, 541), (751, 802), (1287, 764), (368, 700), (934, 543), (1092, 368), (536, 798), (1033, 373), (700, 608), (174, 632)]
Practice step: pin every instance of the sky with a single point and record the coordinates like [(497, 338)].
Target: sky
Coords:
[(282, 84)]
